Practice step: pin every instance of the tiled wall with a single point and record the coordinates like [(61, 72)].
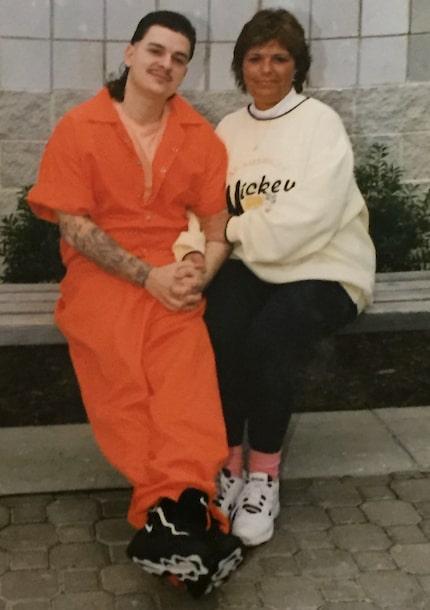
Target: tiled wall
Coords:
[(58, 44), (370, 61)]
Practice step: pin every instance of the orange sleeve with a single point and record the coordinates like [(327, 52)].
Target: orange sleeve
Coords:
[(63, 182), (212, 198)]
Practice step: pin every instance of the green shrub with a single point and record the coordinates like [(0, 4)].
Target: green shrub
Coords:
[(29, 247), (399, 217)]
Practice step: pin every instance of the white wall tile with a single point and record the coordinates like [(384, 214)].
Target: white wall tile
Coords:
[(195, 79), (197, 12), (25, 65), (420, 18), (78, 65), (80, 19), (418, 58), (220, 75), (122, 17), (383, 53), (380, 17), (383, 60), (114, 59), (335, 18), (227, 18), (24, 18), (301, 9), (334, 63)]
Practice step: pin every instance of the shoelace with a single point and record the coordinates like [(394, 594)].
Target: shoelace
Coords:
[(254, 496)]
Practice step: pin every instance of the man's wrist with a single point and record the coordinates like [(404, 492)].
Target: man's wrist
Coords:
[(143, 275)]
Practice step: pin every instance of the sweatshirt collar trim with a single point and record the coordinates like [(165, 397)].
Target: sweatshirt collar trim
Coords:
[(288, 103)]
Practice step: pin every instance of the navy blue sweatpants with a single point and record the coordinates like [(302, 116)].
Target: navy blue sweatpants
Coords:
[(262, 334)]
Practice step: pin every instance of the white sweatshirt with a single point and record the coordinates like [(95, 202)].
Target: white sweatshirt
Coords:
[(290, 181)]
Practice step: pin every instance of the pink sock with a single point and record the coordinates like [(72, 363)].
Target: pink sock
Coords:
[(234, 461), (265, 462)]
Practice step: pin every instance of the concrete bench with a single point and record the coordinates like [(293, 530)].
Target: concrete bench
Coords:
[(40, 459), (402, 302)]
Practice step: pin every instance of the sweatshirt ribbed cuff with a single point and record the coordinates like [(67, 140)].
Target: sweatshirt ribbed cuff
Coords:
[(231, 230)]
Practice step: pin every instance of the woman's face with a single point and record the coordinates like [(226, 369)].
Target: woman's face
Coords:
[(268, 72)]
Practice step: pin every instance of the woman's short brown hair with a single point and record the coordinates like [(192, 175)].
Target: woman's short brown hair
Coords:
[(273, 24)]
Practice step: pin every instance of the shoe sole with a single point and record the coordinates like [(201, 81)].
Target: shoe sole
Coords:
[(183, 567), (192, 572), (223, 572)]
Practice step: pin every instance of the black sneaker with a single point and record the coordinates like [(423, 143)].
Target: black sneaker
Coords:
[(180, 539), (227, 553)]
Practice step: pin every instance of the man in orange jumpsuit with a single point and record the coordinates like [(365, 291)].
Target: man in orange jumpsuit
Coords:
[(120, 173)]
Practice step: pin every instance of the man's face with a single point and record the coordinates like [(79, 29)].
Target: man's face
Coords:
[(158, 63)]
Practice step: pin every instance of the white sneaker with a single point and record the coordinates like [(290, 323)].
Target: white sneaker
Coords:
[(229, 489), (256, 509)]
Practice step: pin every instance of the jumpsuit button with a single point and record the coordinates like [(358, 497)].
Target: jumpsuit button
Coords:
[(148, 218), (175, 149), (163, 170)]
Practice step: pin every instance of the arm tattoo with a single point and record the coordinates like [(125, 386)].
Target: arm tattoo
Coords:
[(97, 246)]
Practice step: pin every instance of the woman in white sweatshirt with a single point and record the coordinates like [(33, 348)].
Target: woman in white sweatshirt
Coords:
[(302, 263)]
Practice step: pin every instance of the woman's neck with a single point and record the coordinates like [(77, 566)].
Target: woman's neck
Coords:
[(287, 103)]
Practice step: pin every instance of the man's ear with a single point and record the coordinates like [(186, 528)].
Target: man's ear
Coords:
[(128, 54)]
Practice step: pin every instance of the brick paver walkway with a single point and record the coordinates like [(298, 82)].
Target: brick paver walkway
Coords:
[(340, 544)]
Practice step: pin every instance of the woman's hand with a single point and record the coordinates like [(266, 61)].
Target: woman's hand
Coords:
[(178, 286)]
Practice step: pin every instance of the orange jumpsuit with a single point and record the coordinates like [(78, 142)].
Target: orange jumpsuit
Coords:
[(147, 374)]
